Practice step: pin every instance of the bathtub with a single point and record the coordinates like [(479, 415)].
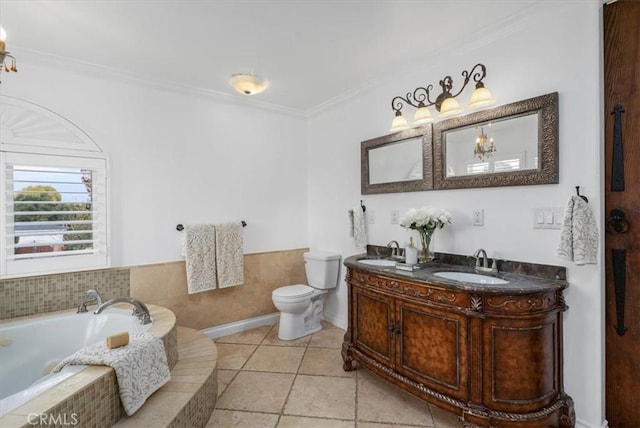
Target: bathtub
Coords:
[(30, 348)]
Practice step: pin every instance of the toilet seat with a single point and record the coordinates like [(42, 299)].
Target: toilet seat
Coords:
[(292, 292)]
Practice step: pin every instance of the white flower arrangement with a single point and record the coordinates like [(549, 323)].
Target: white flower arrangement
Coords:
[(425, 219)]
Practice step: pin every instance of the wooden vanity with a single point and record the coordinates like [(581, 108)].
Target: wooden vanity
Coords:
[(492, 354)]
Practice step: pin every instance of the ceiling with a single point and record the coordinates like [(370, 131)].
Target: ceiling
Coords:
[(311, 51)]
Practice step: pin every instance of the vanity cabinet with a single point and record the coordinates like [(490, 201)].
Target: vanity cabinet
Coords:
[(493, 358)]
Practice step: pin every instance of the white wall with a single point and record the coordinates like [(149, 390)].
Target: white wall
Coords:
[(180, 158), (544, 51)]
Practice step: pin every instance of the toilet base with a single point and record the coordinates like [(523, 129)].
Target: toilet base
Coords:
[(295, 326)]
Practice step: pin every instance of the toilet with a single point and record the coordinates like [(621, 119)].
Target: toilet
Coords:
[(301, 305)]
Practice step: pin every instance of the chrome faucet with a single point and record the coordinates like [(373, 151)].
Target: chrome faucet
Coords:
[(394, 251), (481, 253), (92, 295), (140, 309)]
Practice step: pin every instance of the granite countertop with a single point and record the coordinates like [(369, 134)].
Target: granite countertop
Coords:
[(524, 278)]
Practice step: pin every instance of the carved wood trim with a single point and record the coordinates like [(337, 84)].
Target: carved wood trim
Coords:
[(518, 304)]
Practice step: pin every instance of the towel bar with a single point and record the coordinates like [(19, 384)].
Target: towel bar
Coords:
[(180, 227)]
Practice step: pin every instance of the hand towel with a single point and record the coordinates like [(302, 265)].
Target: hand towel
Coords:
[(229, 257), (199, 249), (578, 233), (141, 367), (357, 228)]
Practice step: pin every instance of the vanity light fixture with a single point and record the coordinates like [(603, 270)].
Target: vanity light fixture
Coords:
[(4, 54), (445, 103), (481, 150), (248, 84)]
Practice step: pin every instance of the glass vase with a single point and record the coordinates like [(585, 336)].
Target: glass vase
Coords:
[(426, 254)]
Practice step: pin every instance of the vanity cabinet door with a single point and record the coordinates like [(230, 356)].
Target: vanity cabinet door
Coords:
[(373, 325), (432, 347)]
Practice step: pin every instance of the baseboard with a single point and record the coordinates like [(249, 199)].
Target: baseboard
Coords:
[(336, 320), (242, 325), (583, 424)]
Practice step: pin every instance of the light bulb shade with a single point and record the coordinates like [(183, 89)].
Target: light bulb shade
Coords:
[(248, 84), (450, 107), (481, 97), (399, 123), (422, 115), (3, 39)]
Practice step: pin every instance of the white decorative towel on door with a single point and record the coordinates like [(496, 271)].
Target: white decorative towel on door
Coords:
[(199, 249), (579, 233), (229, 257)]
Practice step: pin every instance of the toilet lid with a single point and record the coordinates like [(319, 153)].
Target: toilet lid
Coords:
[(298, 290)]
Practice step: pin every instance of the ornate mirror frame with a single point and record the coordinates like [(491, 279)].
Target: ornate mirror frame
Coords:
[(426, 183), (545, 106)]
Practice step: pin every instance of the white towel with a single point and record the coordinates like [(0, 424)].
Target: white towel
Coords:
[(229, 257), (579, 233), (141, 367), (199, 249), (357, 228)]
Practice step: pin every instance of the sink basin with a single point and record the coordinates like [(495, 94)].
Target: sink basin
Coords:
[(471, 277), (377, 262)]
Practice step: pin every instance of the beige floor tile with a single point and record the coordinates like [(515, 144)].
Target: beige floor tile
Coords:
[(324, 362), (322, 396), (327, 338), (228, 418), (444, 419), (272, 339), (224, 379), (249, 337), (299, 422), (257, 392), (326, 325), (279, 359), (232, 356), (379, 401)]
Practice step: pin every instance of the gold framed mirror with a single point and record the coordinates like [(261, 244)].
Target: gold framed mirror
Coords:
[(399, 162), (510, 145)]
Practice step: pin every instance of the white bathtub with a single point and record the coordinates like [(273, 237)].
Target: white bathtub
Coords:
[(30, 348)]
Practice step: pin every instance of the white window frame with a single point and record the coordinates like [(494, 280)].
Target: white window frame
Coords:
[(98, 258)]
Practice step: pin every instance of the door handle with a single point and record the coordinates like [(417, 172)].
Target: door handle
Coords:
[(619, 278), (617, 168), (617, 223), (393, 329)]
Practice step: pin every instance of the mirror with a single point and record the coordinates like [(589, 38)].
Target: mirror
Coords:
[(515, 144), (399, 162)]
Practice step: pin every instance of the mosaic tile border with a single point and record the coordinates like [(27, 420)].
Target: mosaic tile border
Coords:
[(49, 293)]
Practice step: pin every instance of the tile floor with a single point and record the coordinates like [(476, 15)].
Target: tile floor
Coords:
[(264, 382)]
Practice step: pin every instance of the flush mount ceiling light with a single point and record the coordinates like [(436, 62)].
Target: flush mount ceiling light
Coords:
[(248, 84), (4, 54), (445, 103)]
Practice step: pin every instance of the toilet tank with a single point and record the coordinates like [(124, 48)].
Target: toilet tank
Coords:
[(322, 269)]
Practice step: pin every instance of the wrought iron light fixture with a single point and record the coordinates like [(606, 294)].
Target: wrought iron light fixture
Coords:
[(4, 54), (481, 150), (248, 84), (445, 103)]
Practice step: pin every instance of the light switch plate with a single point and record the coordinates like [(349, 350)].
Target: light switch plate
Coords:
[(547, 218)]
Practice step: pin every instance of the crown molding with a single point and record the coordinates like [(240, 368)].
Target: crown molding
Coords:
[(109, 73)]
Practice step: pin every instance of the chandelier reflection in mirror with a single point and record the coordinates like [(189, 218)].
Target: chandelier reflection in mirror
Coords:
[(482, 150), (445, 103), (4, 66)]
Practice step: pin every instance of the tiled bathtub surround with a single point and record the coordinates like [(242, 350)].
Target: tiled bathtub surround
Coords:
[(165, 285), (49, 293)]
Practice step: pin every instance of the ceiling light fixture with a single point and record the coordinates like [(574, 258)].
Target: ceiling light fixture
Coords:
[(4, 54), (248, 84), (445, 103)]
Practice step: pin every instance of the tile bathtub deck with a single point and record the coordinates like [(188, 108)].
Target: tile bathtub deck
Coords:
[(264, 382)]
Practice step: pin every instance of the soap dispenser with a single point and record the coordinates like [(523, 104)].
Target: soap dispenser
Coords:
[(411, 253)]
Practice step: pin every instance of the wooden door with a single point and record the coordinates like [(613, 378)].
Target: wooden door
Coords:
[(622, 239), (373, 325)]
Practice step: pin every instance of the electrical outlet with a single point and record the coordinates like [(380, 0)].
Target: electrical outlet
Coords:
[(478, 217), (371, 215), (395, 216)]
